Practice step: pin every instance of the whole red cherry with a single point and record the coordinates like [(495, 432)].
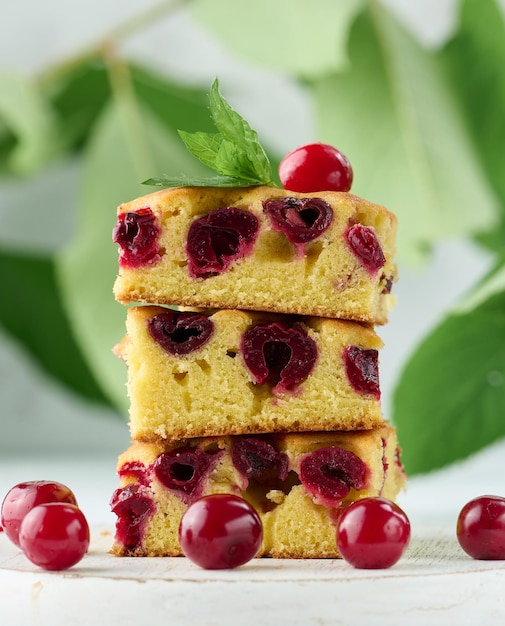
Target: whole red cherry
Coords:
[(315, 167), (220, 531), (373, 533), (24, 496), (54, 536), (480, 528)]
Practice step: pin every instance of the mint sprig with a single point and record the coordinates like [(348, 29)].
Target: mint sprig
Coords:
[(234, 152)]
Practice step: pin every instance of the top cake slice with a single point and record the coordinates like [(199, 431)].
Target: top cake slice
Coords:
[(328, 254)]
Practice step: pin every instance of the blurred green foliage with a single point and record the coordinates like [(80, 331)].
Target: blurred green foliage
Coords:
[(424, 130)]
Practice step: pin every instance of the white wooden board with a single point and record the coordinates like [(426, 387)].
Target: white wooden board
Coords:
[(435, 583)]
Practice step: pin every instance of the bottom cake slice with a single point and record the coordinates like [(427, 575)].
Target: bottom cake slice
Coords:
[(298, 483)]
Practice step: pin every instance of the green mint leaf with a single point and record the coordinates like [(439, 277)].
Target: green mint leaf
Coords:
[(236, 130), (219, 154), (204, 146), (234, 152), (231, 161), (199, 181)]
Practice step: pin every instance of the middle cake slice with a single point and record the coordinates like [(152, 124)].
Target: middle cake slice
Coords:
[(199, 374)]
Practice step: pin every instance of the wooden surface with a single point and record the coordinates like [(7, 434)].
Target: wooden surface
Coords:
[(434, 583)]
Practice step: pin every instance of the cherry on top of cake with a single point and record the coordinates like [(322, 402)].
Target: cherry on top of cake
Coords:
[(239, 160)]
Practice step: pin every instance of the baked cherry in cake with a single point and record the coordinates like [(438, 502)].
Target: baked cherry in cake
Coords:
[(25, 496), (315, 167), (373, 533), (301, 219), (387, 282), (328, 474), (362, 368), (363, 242), (137, 234), (218, 239), (180, 332), (133, 507), (135, 470), (480, 528), (279, 355), (183, 469), (220, 531), (258, 459)]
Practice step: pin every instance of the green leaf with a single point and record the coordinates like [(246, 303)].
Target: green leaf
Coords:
[(185, 180), (42, 119), (78, 94), (450, 399), (114, 165), (30, 119), (174, 105), (205, 146), (233, 127), (394, 116), (474, 60), (493, 284), (295, 36), (7, 147), (231, 161), (182, 107), (34, 315), (233, 152)]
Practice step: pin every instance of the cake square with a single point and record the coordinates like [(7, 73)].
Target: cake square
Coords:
[(299, 483), (329, 254), (199, 374)]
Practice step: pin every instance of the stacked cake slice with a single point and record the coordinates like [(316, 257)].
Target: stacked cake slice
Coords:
[(253, 361)]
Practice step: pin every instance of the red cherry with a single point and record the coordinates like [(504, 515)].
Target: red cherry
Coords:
[(315, 167), (220, 531), (24, 496), (54, 536), (373, 533), (480, 528), (137, 234)]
